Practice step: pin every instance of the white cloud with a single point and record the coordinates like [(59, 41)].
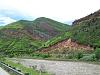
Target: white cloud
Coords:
[(61, 10), (6, 20)]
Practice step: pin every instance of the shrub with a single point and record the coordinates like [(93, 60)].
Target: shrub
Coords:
[(70, 56), (40, 55), (45, 56), (58, 56), (11, 56), (79, 55), (90, 57), (97, 53), (26, 74), (2, 58)]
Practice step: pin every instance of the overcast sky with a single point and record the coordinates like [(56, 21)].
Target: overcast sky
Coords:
[(64, 11)]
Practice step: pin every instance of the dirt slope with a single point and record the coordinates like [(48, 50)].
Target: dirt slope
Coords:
[(67, 46)]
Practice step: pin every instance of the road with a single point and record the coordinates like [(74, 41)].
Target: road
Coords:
[(62, 67), (3, 72)]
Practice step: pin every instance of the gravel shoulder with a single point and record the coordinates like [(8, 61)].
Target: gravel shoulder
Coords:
[(62, 67)]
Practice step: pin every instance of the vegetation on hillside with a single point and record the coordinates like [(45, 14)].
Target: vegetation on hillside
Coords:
[(57, 39), (1, 27), (27, 36), (87, 32)]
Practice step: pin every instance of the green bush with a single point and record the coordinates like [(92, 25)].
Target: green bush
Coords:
[(97, 53), (40, 55), (70, 56), (79, 55), (90, 57), (44, 55), (58, 56), (26, 74), (11, 55), (2, 58)]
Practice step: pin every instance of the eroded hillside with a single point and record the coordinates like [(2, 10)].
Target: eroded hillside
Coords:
[(67, 46)]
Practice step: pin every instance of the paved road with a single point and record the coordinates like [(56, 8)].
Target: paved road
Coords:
[(63, 67), (3, 72)]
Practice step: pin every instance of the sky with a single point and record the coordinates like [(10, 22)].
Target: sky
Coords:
[(65, 11)]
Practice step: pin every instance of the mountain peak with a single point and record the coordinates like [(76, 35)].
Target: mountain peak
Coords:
[(42, 19)]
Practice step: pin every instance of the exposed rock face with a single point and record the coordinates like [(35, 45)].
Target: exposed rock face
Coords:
[(67, 46)]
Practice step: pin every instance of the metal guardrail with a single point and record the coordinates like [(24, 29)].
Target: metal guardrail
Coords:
[(10, 69)]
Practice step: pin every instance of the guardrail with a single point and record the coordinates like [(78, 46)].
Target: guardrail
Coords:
[(10, 69)]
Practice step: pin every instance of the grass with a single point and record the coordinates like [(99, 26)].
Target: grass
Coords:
[(23, 68)]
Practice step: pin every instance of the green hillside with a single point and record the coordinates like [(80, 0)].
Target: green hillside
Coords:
[(27, 36), (87, 30), (1, 27), (56, 39)]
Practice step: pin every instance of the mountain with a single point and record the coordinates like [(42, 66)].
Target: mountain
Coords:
[(83, 35), (26, 36), (41, 28), (87, 30), (46, 35)]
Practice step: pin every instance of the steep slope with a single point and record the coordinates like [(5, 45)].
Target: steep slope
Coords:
[(87, 30), (89, 17), (26, 36), (58, 38), (66, 46)]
